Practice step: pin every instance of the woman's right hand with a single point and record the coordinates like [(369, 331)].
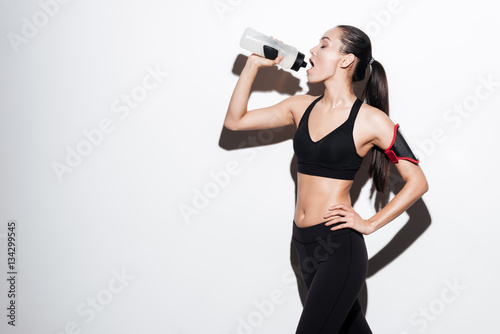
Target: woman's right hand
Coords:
[(258, 61)]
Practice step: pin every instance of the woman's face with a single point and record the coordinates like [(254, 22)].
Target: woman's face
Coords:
[(325, 56)]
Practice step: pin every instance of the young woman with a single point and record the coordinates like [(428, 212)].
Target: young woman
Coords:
[(334, 132)]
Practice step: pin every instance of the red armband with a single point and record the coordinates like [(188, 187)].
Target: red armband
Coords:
[(399, 148)]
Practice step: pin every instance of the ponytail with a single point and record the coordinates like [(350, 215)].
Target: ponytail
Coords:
[(376, 93)]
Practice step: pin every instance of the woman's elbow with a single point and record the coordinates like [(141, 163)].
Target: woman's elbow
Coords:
[(419, 182), (419, 185), (228, 125), (423, 186), (231, 125)]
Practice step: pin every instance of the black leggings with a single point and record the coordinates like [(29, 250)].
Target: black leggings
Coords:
[(333, 266)]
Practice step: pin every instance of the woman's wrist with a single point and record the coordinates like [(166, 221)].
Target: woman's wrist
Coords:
[(373, 224), (252, 66)]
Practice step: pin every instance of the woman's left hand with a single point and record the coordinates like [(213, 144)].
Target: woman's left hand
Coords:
[(344, 214)]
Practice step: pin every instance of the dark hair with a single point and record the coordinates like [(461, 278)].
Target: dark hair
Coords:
[(376, 93)]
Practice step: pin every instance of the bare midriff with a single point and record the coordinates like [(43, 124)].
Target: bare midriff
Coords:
[(315, 194)]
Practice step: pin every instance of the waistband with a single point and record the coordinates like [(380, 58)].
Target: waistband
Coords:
[(317, 232)]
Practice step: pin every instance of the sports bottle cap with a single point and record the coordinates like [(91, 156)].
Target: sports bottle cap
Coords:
[(299, 62)]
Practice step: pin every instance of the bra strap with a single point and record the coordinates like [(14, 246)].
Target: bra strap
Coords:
[(314, 103), (308, 110), (354, 112)]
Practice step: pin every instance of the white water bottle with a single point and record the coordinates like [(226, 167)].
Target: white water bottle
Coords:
[(265, 46)]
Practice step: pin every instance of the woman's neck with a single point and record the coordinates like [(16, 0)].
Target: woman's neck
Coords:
[(338, 92)]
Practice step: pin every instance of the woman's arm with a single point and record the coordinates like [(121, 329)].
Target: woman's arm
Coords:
[(238, 118), (415, 186)]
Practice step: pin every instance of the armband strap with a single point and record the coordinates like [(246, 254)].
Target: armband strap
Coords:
[(399, 148)]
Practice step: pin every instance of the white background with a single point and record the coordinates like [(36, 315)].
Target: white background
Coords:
[(225, 267)]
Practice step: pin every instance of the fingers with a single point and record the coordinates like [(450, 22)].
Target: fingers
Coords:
[(340, 226), (344, 216), (262, 61), (276, 39), (340, 222), (339, 209), (338, 218), (334, 213), (339, 206), (339, 213)]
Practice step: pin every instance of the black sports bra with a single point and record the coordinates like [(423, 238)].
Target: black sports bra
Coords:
[(332, 156)]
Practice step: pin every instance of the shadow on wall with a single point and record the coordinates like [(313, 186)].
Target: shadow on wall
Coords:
[(273, 78), (268, 79)]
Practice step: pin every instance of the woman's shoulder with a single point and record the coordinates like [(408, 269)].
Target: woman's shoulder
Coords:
[(374, 116), (299, 103), (376, 124)]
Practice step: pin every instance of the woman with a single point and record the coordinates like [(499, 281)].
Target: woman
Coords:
[(334, 132)]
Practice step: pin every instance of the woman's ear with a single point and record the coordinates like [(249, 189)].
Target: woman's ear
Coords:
[(347, 60)]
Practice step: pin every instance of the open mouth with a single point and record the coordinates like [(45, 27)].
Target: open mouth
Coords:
[(312, 65)]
